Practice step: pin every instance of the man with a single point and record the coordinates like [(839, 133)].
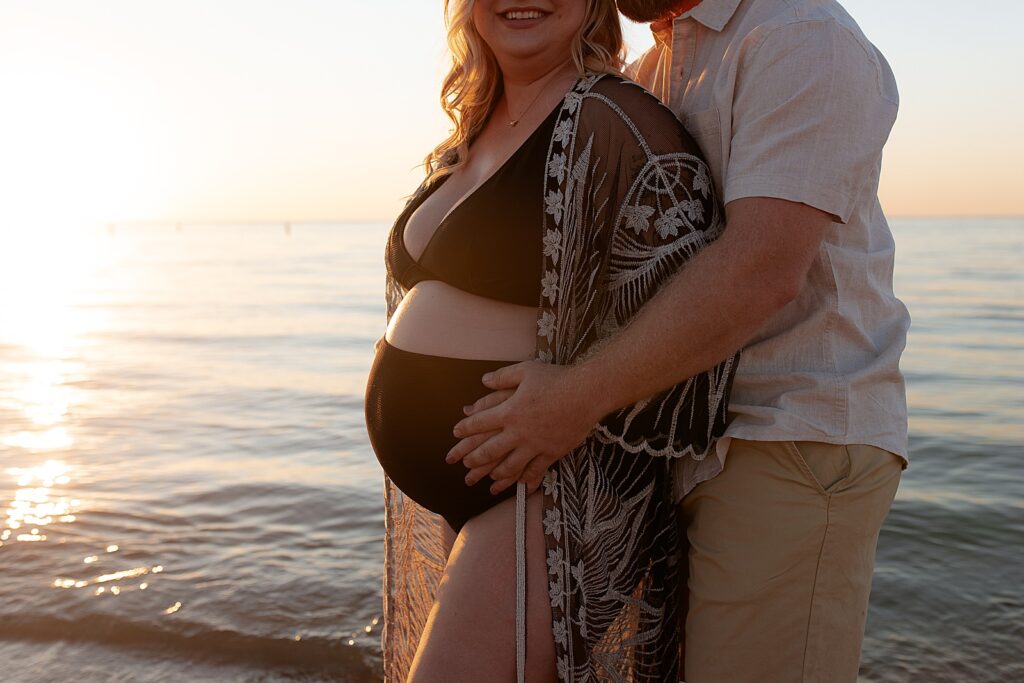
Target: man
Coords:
[(791, 105)]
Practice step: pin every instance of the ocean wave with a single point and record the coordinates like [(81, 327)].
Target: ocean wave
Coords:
[(196, 641)]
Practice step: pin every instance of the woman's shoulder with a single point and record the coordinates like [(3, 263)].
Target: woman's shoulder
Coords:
[(622, 90), (612, 101)]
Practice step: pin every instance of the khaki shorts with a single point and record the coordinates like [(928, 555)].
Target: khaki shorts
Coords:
[(782, 549)]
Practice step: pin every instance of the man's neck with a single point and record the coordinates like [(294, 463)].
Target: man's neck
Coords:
[(684, 6)]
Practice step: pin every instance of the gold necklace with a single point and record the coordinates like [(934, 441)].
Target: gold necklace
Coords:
[(514, 122)]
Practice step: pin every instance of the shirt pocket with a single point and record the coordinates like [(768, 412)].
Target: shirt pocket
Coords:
[(705, 127)]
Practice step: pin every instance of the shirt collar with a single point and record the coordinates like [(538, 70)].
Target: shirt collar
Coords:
[(714, 14)]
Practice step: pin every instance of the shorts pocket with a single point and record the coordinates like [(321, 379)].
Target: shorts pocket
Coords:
[(826, 466)]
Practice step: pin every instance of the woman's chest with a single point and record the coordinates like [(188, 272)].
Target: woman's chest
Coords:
[(488, 166)]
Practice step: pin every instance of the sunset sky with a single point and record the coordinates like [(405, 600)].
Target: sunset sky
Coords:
[(224, 110)]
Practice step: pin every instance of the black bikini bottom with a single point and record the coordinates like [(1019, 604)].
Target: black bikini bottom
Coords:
[(412, 402)]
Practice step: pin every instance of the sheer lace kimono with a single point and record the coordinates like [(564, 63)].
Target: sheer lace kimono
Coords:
[(628, 201)]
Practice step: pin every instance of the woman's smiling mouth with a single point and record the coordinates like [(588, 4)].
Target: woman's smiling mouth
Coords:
[(523, 16)]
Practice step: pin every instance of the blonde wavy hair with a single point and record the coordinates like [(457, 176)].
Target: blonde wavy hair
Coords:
[(473, 86)]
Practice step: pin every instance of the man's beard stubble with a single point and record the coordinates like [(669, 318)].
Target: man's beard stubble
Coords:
[(647, 11)]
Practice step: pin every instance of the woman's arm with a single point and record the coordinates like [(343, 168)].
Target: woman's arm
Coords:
[(714, 306), (702, 316)]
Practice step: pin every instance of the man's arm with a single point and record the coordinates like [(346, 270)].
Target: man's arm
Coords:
[(714, 306), (700, 317)]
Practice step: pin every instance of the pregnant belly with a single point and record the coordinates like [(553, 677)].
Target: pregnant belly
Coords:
[(412, 402), (437, 319)]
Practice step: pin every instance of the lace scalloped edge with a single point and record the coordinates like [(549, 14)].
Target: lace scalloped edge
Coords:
[(605, 436)]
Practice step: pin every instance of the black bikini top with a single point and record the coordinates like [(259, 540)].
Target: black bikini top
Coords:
[(490, 243)]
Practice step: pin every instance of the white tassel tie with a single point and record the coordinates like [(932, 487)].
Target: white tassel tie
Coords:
[(520, 582)]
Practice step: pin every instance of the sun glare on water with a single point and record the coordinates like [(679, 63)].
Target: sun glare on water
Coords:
[(36, 504)]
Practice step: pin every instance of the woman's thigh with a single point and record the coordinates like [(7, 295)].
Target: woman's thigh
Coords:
[(470, 632)]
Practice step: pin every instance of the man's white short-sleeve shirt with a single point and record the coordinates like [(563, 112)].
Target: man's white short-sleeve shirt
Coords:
[(789, 99)]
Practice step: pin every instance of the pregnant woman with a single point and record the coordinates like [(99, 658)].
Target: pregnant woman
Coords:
[(564, 198)]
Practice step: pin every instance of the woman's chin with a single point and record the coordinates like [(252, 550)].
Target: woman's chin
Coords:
[(531, 53)]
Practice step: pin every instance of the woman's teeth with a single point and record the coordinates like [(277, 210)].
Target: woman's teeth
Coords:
[(532, 14)]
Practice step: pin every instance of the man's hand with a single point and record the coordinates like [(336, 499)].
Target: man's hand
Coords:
[(537, 414)]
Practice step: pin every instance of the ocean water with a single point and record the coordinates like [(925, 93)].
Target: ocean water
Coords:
[(189, 493)]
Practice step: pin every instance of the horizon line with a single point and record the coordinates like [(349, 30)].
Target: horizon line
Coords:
[(295, 221)]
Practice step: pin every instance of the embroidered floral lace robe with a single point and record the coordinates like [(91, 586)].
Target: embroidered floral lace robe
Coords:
[(627, 201)]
